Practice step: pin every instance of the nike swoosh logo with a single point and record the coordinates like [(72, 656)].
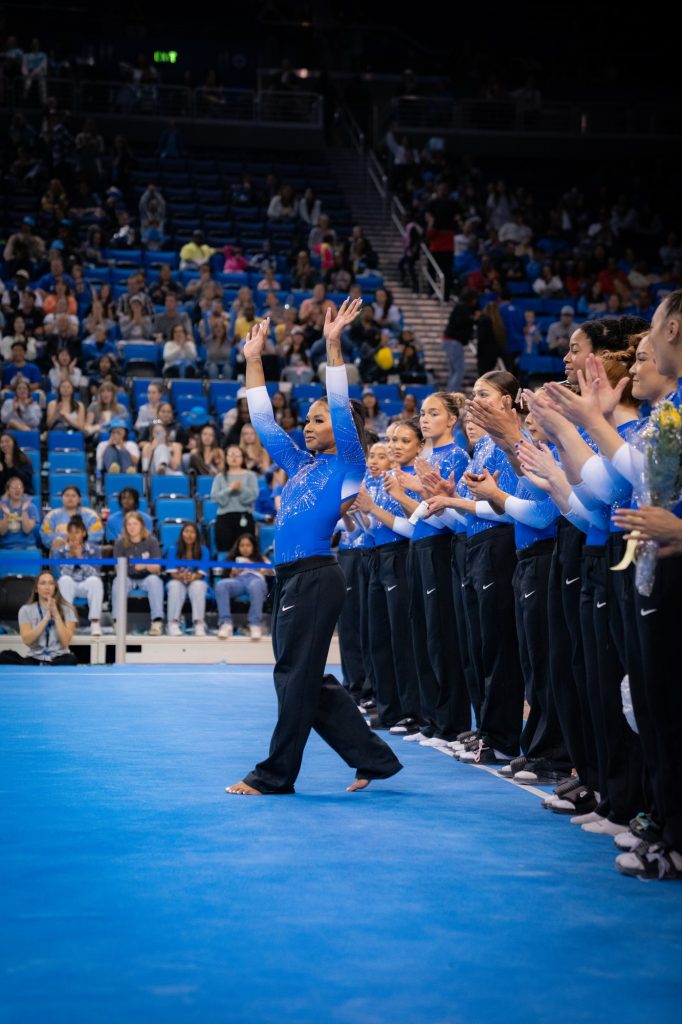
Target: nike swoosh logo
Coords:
[(530, 594), (430, 591), (601, 604), (287, 607), (574, 580), (389, 589), (647, 611), (348, 588), (487, 585)]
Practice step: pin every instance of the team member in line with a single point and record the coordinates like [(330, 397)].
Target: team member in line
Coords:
[(490, 564), (355, 661), (397, 694), (444, 706), (309, 588)]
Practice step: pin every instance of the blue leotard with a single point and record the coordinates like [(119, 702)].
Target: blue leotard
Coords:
[(318, 484)]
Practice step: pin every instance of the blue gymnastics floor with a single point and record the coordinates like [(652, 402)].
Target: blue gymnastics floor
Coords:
[(134, 889)]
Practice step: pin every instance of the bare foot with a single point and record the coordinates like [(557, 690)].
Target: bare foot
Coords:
[(243, 789), (358, 784)]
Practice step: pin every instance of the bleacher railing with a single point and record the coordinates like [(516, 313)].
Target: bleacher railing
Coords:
[(176, 101)]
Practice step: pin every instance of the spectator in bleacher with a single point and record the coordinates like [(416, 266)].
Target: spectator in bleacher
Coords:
[(245, 193), (255, 455), (234, 419), (268, 281), (152, 207), (303, 275), (13, 293), (317, 305), (109, 304), (105, 371), (46, 284), (285, 331), (136, 541), (20, 411), (515, 230), (117, 454), (65, 412), (32, 314), (299, 369), (53, 322), (273, 308), (338, 277), (50, 302), (410, 366), (412, 241), (19, 333), (64, 368), (264, 258), (322, 231), (532, 335), (46, 626), (218, 348), (103, 409), (54, 524), (91, 247), (309, 208), (290, 425), (188, 582), (409, 411), (196, 252), (164, 324), (136, 288), (207, 457), (165, 285), (19, 368), (242, 299), (64, 334), (24, 250), (14, 462), (160, 455), (248, 581), (149, 410), (441, 214), (549, 284), (375, 419), (559, 332), (79, 580), (97, 344), (138, 326), (235, 489), (180, 353), (283, 207), (245, 322), (128, 501), (358, 252), (492, 337), (83, 292), (18, 513), (34, 67), (458, 332), (235, 261), (386, 313)]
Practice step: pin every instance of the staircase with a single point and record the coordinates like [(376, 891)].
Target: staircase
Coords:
[(424, 314)]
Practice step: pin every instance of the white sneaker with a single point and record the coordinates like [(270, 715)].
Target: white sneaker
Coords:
[(433, 741), (626, 840), (225, 631), (603, 828), (199, 629), (413, 737), (156, 628), (256, 632), (586, 819), (173, 629), (95, 629)]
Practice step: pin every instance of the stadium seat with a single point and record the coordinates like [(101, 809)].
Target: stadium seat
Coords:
[(168, 486), (209, 511), (65, 441), (223, 389), (58, 481), (204, 485), (191, 388), (20, 562), (115, 482), (170, 509), (168, 536), (61, 461), (26, 439), (420, 391), (386, 391), (306, 392), (142, 358)]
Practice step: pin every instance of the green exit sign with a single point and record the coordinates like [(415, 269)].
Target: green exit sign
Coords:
[(165, 56)]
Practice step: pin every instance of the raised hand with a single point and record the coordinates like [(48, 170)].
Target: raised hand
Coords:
[(405, 481), (483, 486), (539, 461), (499, 423), (547, 415), (254, 343), (334, 326)]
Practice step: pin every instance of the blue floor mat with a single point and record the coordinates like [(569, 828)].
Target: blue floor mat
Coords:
[(134, 889)]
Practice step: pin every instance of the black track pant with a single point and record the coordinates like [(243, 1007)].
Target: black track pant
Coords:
[(490, 564), (14, 658), (541, 736), (624, 590), (658, 618), (308, 597), (443, 698), (567, 658), (352, 627), (464, 599), (395, 673)]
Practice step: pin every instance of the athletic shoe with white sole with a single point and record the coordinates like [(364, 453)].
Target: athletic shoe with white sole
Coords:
[(651, 860), (404, 726), (415, 737), (484, 754), (585, 819), (174, 629), (225, 631), (199, 629), (627, 840), (156, 628), (255, 632), (433, 741), (95, 629)]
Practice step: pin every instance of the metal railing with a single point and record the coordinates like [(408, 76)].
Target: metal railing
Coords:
[(151, 99)]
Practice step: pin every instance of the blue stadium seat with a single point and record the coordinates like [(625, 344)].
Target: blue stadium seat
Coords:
[(266, 537), (386, 391), (21, 562), (60, 461), (304, 392), (168, 509), (420, 391), (169, 486), (138, 391), (26, 439), (184, 403), (224, 405), (223, 389), (193, 388), (204, 485), (58, 481), (157, 258), (139, 356), (114, 506), (127, 257), (233, 280), (391, 406), (65, 441), (209, 510), (115, 482)]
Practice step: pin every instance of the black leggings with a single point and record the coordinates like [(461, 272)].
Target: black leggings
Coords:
[(231, 525), (353, 630), (14, 658), (307, 600)]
